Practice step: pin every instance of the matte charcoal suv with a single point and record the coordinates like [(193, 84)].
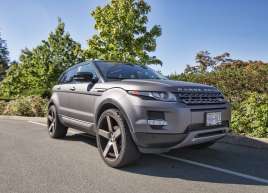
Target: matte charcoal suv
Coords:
[(132, 109)]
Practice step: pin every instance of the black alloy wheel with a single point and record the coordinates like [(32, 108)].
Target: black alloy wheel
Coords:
[(55, 128), (114, 140)]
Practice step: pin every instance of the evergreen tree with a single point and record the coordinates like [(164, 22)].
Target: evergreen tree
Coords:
[(4, 57)]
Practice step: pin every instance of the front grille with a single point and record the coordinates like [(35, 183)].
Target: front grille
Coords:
[(200, 98)]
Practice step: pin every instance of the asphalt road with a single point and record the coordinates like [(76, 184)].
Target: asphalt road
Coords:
[(31, 162)]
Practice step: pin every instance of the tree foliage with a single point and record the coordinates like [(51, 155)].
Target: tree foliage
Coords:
[(122, 33), (233, 78), (39, 68), (205, 62), (244, 84), (4, 57), (251, 116)]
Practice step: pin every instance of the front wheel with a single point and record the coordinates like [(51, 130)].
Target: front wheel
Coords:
[(114, 140)]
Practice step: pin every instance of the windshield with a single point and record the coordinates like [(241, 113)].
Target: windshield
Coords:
[(119, 71)]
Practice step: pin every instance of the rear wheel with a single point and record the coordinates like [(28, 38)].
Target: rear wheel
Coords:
[(114, 140), (55, 128)]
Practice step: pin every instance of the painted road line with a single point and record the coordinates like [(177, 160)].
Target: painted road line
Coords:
[(37, 123), (242, 175), (44, 125)]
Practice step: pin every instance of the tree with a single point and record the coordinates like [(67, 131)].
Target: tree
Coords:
[(4, 59), (223, 58), (204, 60), (122, 33), (39, 68), (191, 69)]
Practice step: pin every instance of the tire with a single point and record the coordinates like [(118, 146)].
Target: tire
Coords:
[(114, 140), (203, 145), (55, 128)]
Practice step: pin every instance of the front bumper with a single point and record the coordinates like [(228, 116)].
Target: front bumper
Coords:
[(185, 125), (160, 143)]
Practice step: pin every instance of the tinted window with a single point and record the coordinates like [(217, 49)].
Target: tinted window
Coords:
[(68, 76), (88, 68), (117, 71), (62, 78)]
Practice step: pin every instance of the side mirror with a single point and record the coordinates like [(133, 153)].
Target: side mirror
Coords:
[(83, 77)]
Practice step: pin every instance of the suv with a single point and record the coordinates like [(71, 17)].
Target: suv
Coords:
[(132, 109)]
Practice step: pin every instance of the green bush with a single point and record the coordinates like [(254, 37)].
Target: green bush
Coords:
[(32, 106), (251, 116), (2, 106), (44, 93)]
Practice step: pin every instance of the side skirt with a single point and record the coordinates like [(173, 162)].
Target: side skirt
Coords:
[(80, 125)]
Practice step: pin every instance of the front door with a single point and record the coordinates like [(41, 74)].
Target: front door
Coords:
[(82, 99)]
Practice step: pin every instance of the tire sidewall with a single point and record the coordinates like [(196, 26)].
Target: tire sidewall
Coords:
[(116, 115), (57, 123)]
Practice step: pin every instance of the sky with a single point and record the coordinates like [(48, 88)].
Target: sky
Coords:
[(188, 26)]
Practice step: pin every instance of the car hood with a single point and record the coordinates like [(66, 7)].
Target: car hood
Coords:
[(152, 85), (167, 83)]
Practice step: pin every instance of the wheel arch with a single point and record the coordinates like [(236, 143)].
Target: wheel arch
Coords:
[(50, 103), (53, 101), (110, 103)]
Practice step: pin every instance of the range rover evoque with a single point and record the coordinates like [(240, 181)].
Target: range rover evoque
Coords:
[(131, 109)]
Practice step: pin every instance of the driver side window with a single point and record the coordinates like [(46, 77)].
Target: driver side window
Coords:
[(68, 76), (88, 68)]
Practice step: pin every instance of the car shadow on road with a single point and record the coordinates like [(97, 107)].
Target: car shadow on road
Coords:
[(154, 165), (82, 137)]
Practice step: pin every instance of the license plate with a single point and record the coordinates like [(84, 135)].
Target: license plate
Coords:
[(213, 118)]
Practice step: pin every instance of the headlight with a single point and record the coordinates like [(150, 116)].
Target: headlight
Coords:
[(154, 95)]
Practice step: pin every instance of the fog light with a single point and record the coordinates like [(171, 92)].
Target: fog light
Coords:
[(157, 122)]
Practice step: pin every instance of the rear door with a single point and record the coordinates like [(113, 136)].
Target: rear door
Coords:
[(67, 94)]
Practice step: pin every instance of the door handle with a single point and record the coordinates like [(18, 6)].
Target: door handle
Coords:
[(72, 89)]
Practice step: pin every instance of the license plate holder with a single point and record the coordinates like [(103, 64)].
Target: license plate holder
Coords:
[(213, 118)]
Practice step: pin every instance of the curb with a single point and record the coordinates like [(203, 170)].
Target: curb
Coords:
[(21, 118), (258, 143)]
